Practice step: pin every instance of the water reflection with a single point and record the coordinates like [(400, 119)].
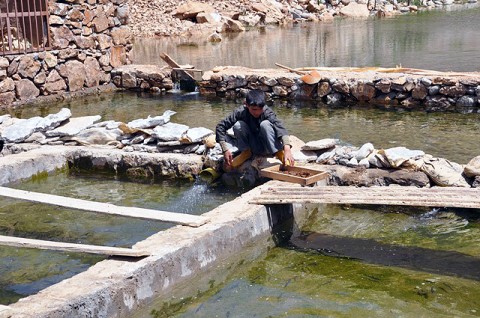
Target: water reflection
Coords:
[(443, 40)]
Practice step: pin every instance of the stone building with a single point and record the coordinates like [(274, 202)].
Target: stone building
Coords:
[(64, 46)]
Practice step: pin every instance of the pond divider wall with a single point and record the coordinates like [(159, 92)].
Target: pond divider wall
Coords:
[(409, 89), (118, 287)]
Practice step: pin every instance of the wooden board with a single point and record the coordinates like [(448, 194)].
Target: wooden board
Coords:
[(394, 195), (106, 208), (293, 174), (70, 247)]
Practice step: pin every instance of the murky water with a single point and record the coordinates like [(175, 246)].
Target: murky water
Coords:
[(26, 271)]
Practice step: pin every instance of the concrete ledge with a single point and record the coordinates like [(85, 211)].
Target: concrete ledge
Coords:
[(117, 288), (47, 159)]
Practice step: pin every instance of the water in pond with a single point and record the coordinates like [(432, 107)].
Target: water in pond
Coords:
[(395, 262), (26, 271), (302, 282), (443, 40)]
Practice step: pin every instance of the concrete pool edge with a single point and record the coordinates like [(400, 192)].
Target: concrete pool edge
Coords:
[(118, 287)]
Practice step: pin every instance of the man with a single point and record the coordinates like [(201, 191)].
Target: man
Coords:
[(257, 130)]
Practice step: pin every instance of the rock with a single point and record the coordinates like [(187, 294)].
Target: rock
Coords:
[(73, 126), (399, 156), (7, 85), (54, 82), (214, 37), (196, 134), (169, 132), (62, 37), (76, 75), (151, 121), (472, 169), (121, 35), (355, 10), (97, 136), (94, 74), (190, 10), (363, 92), (211, 17), (22, 129), (28, 67), (364, 151), (326, 156), (444, 173), (232, 26), (304, 156), (321, 144), (26, 89)]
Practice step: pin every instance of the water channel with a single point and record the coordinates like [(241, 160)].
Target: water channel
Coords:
[(300, 280)]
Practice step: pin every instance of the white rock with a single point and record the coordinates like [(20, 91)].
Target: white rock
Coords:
[(319, 144), (169, 131)]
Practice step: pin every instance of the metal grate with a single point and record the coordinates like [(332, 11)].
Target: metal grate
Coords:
[(24, 26)]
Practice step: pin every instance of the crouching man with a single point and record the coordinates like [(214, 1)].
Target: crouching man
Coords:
[(257, 131)]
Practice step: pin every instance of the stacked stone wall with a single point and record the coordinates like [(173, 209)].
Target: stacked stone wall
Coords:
[(88, 39), (460, 93)]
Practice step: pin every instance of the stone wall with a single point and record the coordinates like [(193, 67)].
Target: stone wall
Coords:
[(407, 90), (88, 38)]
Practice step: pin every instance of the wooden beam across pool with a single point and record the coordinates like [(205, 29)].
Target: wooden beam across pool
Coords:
[(453, 197), (70, 247), (105, 208)]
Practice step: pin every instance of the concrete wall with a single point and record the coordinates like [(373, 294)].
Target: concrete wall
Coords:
[(120, 287), (88, 37)]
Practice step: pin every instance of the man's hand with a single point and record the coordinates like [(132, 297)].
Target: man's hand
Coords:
[(227, 155), (288, 158)]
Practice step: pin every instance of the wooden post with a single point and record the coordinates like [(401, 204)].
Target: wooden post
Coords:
[(175, 65)]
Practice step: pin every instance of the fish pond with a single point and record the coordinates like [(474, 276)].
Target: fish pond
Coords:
[(349, 260)]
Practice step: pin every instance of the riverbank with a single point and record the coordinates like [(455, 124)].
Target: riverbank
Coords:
[(183, 18)]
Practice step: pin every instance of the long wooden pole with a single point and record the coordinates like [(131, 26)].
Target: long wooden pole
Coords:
[(106, 208), (70, 247)]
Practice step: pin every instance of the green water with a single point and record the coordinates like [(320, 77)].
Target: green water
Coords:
[(345, 276), (26, 271)]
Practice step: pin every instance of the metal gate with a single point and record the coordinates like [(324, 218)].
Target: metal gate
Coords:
[(24, 26)]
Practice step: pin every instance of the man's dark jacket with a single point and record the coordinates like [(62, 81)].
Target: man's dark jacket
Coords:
[(242, 113)]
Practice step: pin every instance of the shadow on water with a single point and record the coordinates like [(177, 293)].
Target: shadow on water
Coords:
[(371, 251)]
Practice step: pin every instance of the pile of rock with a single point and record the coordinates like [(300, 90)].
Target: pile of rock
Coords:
[(364, 166), (168, 17), (153, 134), (434, 171)]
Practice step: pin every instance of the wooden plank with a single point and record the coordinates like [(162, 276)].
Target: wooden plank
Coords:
[(70, 247), (174, 65), (410, 196), (105, 208)]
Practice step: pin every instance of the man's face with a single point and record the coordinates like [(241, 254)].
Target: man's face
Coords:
[(255, 111)]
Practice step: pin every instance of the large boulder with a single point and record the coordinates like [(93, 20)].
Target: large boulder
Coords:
[(472, 169), (355, 10), (190, 10)]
